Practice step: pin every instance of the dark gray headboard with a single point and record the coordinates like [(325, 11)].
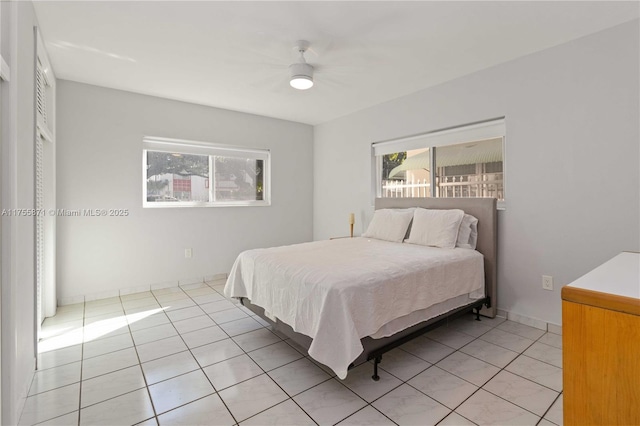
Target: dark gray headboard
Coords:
[(482, 208)]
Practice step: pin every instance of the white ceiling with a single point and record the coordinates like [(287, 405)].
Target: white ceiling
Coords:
[(235, 55)]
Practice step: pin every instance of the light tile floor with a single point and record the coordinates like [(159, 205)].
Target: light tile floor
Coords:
[(188, 356)]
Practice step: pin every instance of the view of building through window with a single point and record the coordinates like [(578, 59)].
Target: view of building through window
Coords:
[(178, 178), (238, 179), (407, 174), (173, 176), (470, 169)]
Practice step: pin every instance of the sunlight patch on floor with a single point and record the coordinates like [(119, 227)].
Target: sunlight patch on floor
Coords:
[(65, 335)]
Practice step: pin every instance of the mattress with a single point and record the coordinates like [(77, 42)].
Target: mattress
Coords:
[(339, 291)]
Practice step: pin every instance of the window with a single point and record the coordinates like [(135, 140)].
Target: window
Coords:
[(462, 162), (472, 169), (5, 72), (406, 174), (182, 173)]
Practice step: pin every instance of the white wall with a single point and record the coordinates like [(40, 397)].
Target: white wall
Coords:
[(99, 165), (18, 331), (572, 160)]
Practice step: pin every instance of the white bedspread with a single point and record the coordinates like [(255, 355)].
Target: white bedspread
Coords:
[(342, 290)]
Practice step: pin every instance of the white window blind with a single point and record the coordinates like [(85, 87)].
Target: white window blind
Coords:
[(202, 148), (468, 133)]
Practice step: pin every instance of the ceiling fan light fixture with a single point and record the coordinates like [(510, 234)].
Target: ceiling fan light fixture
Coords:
[(301, 76), (301, 71)]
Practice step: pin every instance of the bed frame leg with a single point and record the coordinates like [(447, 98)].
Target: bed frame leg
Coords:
[(376, 361), (477, 313)]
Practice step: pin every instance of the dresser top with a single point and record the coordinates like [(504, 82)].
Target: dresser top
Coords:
[(619, 276)]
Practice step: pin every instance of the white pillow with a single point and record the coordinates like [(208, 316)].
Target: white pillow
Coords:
[(468, 233), (437, 228), (389, 225)]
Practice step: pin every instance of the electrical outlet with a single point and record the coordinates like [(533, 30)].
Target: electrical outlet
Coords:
[(547, 282), (188, 253)]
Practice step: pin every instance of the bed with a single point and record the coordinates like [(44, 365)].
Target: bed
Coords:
[(350, 300)]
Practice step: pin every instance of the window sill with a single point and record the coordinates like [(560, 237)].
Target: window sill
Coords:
[(173, 204)]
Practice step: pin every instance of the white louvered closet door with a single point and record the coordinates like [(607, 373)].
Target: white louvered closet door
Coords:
[(44, 187), (41, 114), (42, 135), (41, 95), (39, 205)]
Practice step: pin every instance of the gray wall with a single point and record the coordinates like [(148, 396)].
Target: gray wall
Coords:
[(572, 151), (99, 165)]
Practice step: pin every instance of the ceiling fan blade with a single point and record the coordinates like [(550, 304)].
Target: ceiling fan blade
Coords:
[(273, 83)]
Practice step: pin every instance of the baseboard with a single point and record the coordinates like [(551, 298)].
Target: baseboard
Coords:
[(72, 300), (101, 295), (139, 289), (554, 328), (188, 281), (135, 289), (164, 284), (531, 322), (216, 277)]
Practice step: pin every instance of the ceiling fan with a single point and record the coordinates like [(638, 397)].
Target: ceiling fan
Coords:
[(301, 71), (272, 66)]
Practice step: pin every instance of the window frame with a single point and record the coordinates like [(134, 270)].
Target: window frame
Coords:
[(5, 70), (489, 129), (187, 147)]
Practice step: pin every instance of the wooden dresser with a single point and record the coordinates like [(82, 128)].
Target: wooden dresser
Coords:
[(601, 344)]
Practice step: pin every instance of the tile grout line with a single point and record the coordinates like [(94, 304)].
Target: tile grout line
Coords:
[(406, 382), (185, 343), (549, 408), (107, 399), (369, 405), (259, 366), (519, 353), (504, 369), (264, 371), (135, 348), (84, 319), (215, 391), (522, 377), (84, 308), (390, 419), (484, 384), (59, 387), (386, 393)]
